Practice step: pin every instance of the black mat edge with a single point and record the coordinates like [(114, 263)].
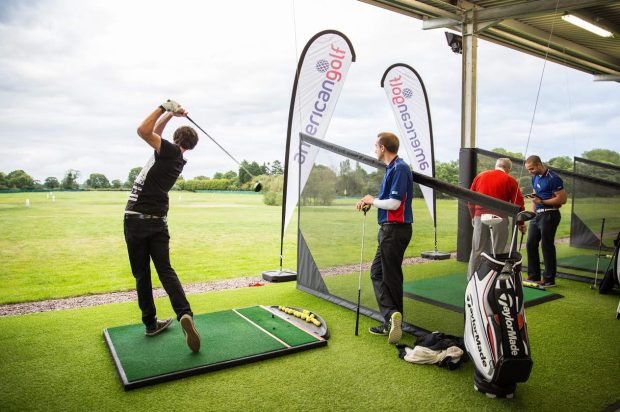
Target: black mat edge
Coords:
[(218, 366), (578, 278), (571, 276), (460, 309)]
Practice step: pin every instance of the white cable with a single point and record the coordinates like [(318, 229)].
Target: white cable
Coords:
[(542, 75)]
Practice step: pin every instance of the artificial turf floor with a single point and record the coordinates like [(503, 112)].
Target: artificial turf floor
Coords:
[(59, 361)]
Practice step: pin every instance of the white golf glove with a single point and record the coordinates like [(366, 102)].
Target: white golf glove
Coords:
[(170, 106)]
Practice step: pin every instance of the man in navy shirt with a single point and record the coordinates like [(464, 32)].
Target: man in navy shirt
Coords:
[(146, 228), (549, 195), (394, 216)]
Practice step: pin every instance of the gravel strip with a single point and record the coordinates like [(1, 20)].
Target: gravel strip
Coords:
[(117, 297)]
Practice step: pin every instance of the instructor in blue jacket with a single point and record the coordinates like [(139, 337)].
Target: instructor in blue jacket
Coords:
[(394, 217)]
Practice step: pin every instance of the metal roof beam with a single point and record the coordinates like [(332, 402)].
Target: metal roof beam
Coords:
[(607, 78), (411, 7), (440, 22), (531, 47), (531, 8), (561, 43)]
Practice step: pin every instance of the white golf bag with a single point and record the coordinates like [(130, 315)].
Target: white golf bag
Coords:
[(495, 327)]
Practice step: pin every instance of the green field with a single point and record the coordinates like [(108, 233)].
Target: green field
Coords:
[(75, 245)]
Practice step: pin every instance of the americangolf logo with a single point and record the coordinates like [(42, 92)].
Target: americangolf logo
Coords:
[(333, 75), (398, 95)]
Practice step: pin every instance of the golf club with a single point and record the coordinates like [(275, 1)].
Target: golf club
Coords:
[(598, 255), (523, 216), (491, 220), (365, 209), (258, 185)]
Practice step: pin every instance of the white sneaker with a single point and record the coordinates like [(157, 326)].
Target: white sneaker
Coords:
[(396, 328)]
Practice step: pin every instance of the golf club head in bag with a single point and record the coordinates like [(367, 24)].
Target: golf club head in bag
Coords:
[(496, 335), (490, 219)]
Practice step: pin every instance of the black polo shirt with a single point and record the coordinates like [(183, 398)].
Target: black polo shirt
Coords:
[(149, 194)]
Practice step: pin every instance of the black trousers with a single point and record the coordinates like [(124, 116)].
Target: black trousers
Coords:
[(386, 270), (542, 230), (149, 239)]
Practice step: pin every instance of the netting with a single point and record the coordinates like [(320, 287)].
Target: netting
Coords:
[(593, 191), (595, 200), (331, 229)]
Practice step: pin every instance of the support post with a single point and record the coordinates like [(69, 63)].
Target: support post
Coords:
[(467, 154), (468, 160)]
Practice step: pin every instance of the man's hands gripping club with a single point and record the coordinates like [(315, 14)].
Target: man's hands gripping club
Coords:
[(170, 106), (153, 126), (365, 203)]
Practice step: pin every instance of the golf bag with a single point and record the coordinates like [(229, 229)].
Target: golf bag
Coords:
[(612, 275), (495, 328)]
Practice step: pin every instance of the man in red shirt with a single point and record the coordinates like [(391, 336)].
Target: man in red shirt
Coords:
[(499, 184)]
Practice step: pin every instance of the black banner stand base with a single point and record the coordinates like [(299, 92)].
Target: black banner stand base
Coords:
[(435, 255), (284, 275)]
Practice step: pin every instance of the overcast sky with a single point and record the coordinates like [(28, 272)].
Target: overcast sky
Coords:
[(77, 77)]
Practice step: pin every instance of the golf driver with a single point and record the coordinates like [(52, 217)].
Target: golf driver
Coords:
[(522, 216), (598, 255), (365, 209), (491, 220), (258, 185)]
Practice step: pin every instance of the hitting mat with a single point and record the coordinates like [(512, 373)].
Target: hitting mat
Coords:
[(228, 338), (449, 292), (584, 262)]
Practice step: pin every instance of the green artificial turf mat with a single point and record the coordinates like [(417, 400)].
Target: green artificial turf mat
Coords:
[(227, 339), (449, 291), (584, 262)]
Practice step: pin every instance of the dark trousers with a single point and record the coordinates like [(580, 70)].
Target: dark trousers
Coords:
[(386, 271), (542, 230), (149, 239)]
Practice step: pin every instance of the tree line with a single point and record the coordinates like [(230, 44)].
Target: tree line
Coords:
[(323, 185), (230, 180)]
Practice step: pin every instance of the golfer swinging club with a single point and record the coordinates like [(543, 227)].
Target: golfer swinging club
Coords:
[(146, 228), (394, 217)]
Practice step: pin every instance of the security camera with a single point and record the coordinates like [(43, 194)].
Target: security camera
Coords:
[(455, 42)]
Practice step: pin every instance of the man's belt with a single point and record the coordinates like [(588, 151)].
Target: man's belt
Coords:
[(143, 216), (551, 209), (394, 223)]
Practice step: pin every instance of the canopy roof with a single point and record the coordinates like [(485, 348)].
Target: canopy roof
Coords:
[(534, 27)]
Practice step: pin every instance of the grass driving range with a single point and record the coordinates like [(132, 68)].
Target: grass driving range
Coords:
[(59, 361)]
